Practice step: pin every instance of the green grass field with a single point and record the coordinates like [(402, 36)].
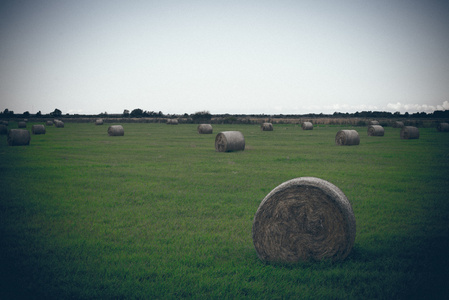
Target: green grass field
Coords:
[(158, 213)]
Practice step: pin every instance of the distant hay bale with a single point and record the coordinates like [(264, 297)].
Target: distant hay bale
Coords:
[(228, 141), (49, 123), (3, 129), (409, 132), (38, 129), (205, 129), (376, 130), (304, 219), (267, 127), (59, 124), (116, 130), (19, 137), (172, 121), (398, 124), (347, 138), (443, 127), (374, 122), (22, 124), (307, 126), (99, 122)]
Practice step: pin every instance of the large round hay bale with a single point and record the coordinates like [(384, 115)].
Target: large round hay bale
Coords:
[(22, 124), (307, 126), (205, 129), (3, 129), (116, 130), (267, 127), (227, 141), (347, 138), (398, 124), (49, 123), (374, 122), (304, 219), (409, 132), (443, 127), (99, 122), (38, 129), (19, 137), (376, 130), (59, 124)]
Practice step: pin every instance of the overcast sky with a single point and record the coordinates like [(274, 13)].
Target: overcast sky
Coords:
[(271, 57)]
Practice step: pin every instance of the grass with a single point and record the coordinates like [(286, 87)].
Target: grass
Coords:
[(158, 213)]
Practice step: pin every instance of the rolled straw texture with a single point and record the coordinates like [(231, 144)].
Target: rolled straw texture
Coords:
[(205, 129), (59, 124), (116, 130), (3, 129), (267, 127), (19, 137), (303, 219), (347, 138), (228, 141), (307, 126), (376, 130), (22, 124), (409, 132), (398, 124), (443, 127), (38, 129), (99, 122)]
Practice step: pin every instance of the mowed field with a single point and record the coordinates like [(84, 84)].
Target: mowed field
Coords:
[(158, 213)]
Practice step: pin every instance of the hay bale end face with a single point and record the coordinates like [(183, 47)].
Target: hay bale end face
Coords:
[(307, 126), (443, 127), (116, 130), (19, 137), (376, 130), (38, 129), (347, 138), (205, 129), (409, 132), (3, 129), (267, 127), (22, 124), (99, 122), (304, 219), (228, 141)]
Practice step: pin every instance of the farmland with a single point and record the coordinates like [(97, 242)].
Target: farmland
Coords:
[(158, 213)]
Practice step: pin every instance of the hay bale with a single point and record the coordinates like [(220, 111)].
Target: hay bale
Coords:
[(99, 122), (172, 121), (38, 129), (22, 124), (398, 124), (59, 124), (116, 130), (376, 130), (267, 127), (304, 219), (443, 127), (409, 132), (205, 129), (227, 141), (307, 126), (3, 129), (347, 138), (19, 137), (374, 122), (49, 123)]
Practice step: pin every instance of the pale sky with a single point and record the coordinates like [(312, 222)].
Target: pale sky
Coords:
[(238, 57)]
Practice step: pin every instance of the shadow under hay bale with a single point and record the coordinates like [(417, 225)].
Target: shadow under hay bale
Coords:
[(205, 129), (3, 129), (267, 127), (38, 129), (99, 122), (19, 137), (347, 138), (228, 141), (376, 130), (443, 127), (304, 219), (59, 124), (307, 126), (409, 133), (116, 130), (22, 124)]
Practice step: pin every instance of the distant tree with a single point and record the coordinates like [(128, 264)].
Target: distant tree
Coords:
[(56, 113), (39, 114), (26, 114), (126, 113), (201, 117), (137, 113)]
